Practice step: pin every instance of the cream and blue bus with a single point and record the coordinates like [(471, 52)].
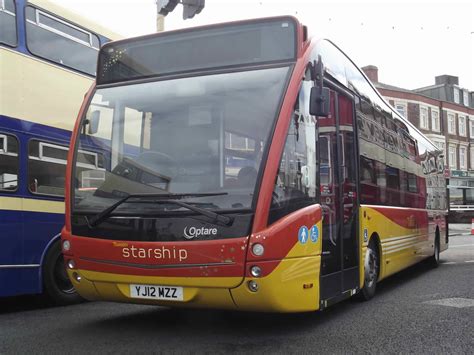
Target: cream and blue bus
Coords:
[(48, 59)]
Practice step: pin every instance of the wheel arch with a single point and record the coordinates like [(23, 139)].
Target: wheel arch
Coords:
[(53, 240), (376, 238)]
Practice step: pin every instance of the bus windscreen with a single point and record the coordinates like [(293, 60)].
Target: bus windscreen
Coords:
[(213, 47)]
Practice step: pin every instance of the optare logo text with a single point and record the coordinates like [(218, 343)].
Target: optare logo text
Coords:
[(193, 232)]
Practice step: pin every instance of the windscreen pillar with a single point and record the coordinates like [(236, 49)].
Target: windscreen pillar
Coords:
[(117, 135)]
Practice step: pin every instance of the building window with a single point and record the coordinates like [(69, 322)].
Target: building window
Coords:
[(424, 117), (8, 22), (441, 146), (61, 42), (435, 120), (456, 95), (472, 158), (465, 94), (401, 108), (451, 123), (462, 158), (462, 125), (452, 157), (8, 162), (471, 127)]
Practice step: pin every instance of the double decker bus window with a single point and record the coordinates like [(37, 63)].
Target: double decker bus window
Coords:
[(8, 33), (8, 162), (61, 42), (46, 168)]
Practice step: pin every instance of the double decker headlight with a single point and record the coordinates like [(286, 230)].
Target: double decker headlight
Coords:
[(66, 245), (71, 264)]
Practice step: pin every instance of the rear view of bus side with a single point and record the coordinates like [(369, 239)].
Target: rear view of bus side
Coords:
[(265, 173), (48, 59)]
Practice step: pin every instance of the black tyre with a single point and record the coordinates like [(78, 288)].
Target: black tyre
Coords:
[(434, 259), (56, 284), (371, 271)]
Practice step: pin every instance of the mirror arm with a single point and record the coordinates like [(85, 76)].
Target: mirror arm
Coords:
[(318, 72), (319, 77)]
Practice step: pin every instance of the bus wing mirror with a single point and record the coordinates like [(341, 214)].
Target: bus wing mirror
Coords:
[(319, 101), (94, 120)]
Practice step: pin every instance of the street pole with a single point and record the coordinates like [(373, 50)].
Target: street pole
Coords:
[(160, 23)]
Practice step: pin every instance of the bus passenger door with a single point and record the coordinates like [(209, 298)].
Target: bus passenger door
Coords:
[(338, 159)]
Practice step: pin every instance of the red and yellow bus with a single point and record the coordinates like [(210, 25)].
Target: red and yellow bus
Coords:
[(246, 166)]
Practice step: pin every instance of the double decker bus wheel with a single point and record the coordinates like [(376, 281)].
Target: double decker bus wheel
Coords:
[(57, 286)]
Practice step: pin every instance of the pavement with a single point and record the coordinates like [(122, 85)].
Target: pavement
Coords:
[(459, 229)]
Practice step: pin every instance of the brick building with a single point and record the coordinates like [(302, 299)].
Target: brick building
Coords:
[(444, 112)]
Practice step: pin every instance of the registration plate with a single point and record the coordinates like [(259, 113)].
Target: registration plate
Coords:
[(154, 292)]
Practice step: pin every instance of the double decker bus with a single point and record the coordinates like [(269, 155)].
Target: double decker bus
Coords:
[(247, 167), (48, 59)]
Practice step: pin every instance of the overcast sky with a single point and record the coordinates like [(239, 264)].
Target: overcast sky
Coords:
[(409, 41)]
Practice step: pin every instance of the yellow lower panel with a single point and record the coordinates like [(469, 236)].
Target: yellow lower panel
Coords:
[(211, 282), (119, 291), (292, 287)]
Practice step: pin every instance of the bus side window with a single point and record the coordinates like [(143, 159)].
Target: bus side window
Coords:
[(8, 23), (8, 162), (295, 185), (46, 168), (60, 41)]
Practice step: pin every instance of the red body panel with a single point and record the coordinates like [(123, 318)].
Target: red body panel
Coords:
[(185, 259), (405, 217)]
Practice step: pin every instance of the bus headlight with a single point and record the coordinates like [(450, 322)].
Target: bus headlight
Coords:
[(256, 271), (77, 277), (258, 249), (66, 245)]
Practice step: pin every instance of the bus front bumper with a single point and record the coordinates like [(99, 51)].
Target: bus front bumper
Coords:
[(293, 286)]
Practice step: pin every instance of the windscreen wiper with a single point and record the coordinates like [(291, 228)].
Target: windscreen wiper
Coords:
[(164, 199)]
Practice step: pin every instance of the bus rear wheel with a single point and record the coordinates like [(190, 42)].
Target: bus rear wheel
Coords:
[(371, 271), (56, 284)]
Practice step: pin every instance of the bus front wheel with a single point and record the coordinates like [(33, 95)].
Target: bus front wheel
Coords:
[(371, 271), (56, 284)]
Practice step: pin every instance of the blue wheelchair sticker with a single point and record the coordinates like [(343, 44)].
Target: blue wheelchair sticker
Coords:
[(303, 234), (314, 233)]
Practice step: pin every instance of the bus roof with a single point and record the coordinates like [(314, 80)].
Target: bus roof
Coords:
[(72, 16)]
